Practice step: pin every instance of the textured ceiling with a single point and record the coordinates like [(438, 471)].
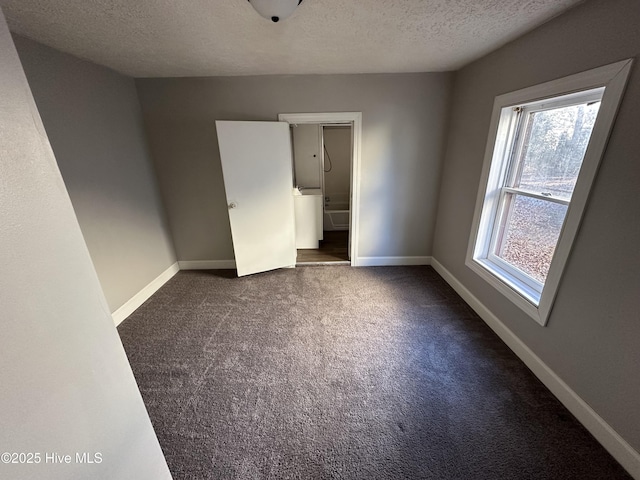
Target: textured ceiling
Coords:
[(163, 38)]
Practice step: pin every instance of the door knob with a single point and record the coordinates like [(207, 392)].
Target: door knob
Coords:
[(233, 205)]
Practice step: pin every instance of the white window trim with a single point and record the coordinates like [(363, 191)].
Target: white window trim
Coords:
[(529, 287), (613, 78)]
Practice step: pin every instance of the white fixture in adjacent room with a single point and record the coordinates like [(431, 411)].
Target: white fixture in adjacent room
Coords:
[(275, 10), (308, 217)]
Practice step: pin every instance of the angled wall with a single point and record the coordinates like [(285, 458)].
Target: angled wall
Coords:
[(66, 384), (93, 121)]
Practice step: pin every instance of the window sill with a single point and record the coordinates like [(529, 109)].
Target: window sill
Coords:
[(519, 293)]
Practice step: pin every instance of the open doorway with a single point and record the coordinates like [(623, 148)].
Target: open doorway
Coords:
[(336, 191), (326, 149), (322, 177)]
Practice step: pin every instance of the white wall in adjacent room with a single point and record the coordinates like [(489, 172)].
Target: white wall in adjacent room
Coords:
[(306, 155)]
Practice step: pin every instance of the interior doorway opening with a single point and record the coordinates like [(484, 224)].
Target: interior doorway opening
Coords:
[(325, 170)]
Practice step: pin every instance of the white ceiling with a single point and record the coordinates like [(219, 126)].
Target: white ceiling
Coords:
[(167, 38)]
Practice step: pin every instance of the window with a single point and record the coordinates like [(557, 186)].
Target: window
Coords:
[(545, 143), (544, 148)]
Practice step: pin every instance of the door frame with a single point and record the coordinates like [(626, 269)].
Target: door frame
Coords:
[(355, 120)]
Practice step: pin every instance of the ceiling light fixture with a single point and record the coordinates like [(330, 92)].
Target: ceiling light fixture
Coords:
[(275, 10)]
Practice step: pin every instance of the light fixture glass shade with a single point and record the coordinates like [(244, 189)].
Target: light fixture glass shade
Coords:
[(275, 10)]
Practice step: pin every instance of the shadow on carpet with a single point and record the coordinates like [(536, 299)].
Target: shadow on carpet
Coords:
[(344, 373)]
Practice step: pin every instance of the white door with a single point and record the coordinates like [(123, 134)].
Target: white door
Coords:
[(256, 165)]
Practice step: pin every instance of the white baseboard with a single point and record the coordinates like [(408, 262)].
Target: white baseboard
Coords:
[(360, 262), (601, 430), (143, 295), (390, 261), (206, 264), (319, 264)]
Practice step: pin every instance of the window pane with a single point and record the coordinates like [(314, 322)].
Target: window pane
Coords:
[(553, 149), (529, 234)]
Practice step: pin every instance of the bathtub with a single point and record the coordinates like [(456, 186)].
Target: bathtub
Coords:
[(336, 212)]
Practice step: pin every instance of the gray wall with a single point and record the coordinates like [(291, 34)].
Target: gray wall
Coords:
[(592, 339), (93, 120), (404, 118), (66, 384), (337, 141)]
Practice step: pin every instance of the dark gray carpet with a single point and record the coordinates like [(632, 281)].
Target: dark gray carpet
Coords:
[(344, 373)]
